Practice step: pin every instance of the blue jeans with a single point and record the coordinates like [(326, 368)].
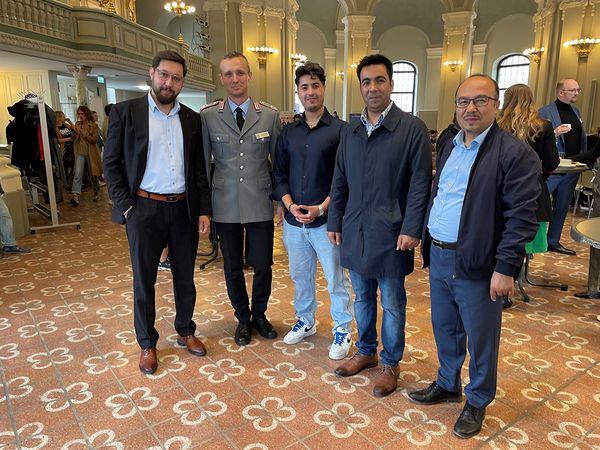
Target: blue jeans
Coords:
[(561, 189), (7, 233), (304, 245), (80, 163), (393, 303), (462, 315)]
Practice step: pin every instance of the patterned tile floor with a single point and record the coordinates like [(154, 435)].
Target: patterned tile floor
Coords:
[(68, 362)]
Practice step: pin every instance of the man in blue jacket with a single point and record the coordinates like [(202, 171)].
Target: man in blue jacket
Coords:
[(377, 204), (481, 214), (570, 140)]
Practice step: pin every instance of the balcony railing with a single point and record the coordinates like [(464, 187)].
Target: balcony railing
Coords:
[(54, 30)]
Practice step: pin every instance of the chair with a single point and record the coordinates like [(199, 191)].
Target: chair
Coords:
[(584, 186)]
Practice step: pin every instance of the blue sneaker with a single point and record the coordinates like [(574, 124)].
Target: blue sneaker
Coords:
[(298, 332)]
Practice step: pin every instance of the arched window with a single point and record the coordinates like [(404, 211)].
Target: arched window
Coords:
[(405, 86), (512, 69)]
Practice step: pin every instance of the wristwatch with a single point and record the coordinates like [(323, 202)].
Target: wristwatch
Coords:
[(321, 210)]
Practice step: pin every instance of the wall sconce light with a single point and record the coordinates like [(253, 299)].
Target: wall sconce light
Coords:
[(262, 53), (179, 8), (340, 74), (583, 46), (297, 57), (535, 53), (453, 64)]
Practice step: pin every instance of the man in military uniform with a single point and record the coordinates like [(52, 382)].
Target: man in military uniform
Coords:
[(240, 136)]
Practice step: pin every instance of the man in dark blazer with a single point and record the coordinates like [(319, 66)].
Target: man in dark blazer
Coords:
[(377, 205), (570, 141), (156, 174)]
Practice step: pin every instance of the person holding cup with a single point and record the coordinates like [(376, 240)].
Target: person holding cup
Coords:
[(571, 139)]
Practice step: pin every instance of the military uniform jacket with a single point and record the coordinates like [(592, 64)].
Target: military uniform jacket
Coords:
[(241, 182)]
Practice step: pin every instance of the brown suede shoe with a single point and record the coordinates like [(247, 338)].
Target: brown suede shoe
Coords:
[(193, 344), (148, 361), (355, 364), (387, 381)]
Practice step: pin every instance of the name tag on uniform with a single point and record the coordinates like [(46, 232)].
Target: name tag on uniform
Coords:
[(262, 135)]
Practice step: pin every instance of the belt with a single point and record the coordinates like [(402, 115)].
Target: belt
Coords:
[(170, 198), (444, 245)]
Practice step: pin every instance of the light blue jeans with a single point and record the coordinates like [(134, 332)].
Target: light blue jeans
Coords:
[(7, 233), (393, 303), (80, 163), (304, 245)]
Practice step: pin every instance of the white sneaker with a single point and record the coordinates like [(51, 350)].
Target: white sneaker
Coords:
[(342, 341), (298, 332)]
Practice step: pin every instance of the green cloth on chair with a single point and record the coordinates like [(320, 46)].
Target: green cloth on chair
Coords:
[(540, 242)]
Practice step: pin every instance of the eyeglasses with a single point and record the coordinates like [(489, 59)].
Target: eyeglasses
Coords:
[(483, 100), (164, 76), (572, 91)]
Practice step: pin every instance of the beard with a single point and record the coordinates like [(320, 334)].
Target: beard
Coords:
[(164, 95)]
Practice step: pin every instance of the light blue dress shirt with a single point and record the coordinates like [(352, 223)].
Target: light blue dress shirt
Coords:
[(364, 118), (245, 106), (165, 172), (444, 218)]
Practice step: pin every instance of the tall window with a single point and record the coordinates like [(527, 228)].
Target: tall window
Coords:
[(512, 69), (405, 86)]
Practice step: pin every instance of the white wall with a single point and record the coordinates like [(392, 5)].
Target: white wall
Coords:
[(512, 34), (409, 44)]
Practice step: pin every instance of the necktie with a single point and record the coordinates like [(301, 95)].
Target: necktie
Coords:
[(239, 118)]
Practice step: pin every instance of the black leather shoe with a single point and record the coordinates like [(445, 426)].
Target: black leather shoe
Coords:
[(264, 327), (595, 294), (469, 422), (558, 248), (506, 303), (433, 394), (243, 333)]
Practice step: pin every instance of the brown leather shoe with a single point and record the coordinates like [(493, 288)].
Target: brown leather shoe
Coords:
[(193, 344), (387, 381), (355, 364), (148, 361)]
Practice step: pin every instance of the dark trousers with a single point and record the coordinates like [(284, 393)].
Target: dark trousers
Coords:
[(259, 238), (151, 226), (561, 189), (463, 316)]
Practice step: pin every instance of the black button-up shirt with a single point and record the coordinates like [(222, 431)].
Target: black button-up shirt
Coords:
[(305, 161)]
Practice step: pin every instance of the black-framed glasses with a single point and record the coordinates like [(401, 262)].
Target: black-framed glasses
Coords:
[(572, 91), (164, 76), (482, 100)]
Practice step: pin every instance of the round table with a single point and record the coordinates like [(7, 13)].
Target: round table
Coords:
[(572, 168), (587, 231)]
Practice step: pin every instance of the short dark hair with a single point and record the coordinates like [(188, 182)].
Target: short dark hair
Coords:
[(236, 54), (312, 69), (169, 55), (481, 75), (372, 60)]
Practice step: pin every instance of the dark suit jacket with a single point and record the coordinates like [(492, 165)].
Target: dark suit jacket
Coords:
[(126, 151), (380, 190)]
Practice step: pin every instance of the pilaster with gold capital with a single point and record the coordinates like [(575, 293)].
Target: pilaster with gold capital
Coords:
[(458, 40), (358, 31)]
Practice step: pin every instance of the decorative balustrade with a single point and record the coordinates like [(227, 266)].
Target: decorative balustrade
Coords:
[(49, 28)]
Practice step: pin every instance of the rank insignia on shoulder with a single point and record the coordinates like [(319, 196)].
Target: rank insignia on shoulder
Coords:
[(209, 105), (268, 105)]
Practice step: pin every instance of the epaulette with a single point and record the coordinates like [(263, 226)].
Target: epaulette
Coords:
[(209, 105), (268, 105)]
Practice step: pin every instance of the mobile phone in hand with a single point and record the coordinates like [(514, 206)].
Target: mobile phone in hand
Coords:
[(303, 210)]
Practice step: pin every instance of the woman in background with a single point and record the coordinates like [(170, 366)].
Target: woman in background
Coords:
[(86, 153), (64, 131), (519, 116)]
